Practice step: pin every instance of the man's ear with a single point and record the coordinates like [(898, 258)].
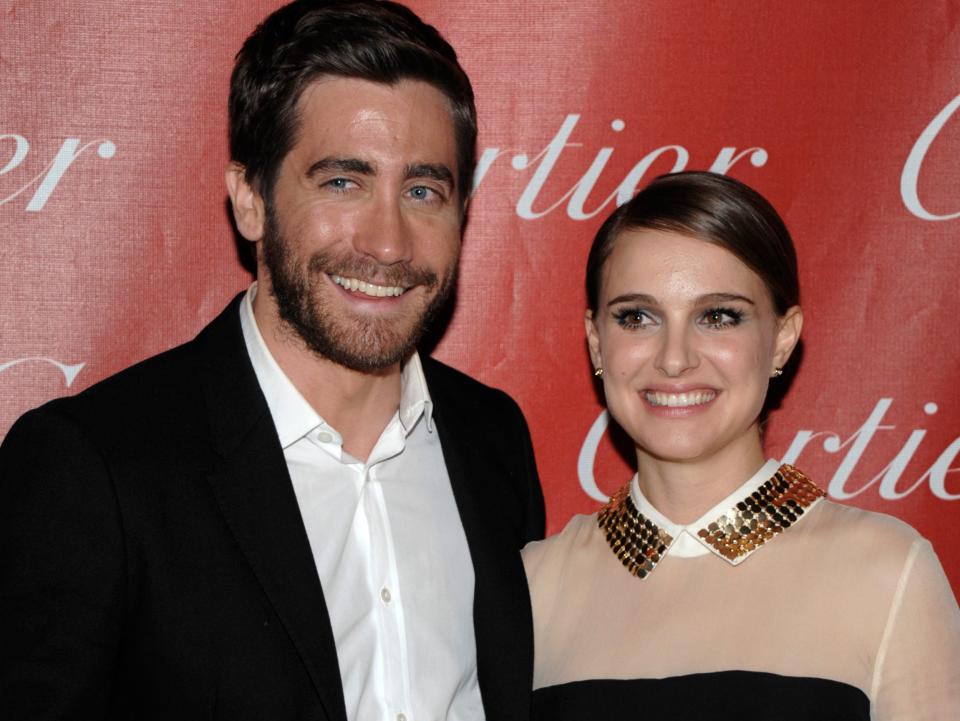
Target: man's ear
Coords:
[(248, 208)]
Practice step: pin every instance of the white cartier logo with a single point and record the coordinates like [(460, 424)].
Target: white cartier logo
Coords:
[(40, 187), (531, 206), (911, 169), (888, 482), (70, 371)]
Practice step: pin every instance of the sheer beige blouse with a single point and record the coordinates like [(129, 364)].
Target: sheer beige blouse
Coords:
[(842, 594)]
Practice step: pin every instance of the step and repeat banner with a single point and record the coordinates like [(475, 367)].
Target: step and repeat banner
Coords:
[(116, 242)]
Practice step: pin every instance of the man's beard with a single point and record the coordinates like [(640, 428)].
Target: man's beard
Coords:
[(361, 343)]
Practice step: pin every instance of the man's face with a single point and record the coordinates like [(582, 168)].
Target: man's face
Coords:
[(362, 235)]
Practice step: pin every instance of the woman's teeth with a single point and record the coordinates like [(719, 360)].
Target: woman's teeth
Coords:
[(679, 400)]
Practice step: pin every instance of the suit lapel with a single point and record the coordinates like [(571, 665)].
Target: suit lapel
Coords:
[(256, 497), (501, 607)]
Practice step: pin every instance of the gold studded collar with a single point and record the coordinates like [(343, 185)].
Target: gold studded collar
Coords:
[(770, 502)]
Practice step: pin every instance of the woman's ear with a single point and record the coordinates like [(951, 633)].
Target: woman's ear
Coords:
[(593, 339), (788, 334)]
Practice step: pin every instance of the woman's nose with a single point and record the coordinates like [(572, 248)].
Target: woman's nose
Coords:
[(677, 353)]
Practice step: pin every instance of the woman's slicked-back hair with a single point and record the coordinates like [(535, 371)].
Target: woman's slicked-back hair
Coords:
[(713, 208), (373, 40)]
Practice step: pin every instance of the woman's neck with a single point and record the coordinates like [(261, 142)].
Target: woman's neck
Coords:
[(684, 490)]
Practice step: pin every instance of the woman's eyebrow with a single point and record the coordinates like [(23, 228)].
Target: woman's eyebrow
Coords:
[(633, 298), (723, 298), (706, 298)]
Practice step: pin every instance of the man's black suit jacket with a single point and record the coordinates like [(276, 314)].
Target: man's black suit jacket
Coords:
[(154, 564)]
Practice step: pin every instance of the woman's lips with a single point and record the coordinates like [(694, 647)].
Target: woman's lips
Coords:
[(679, 399)]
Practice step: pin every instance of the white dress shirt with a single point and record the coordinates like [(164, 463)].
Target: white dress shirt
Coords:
[(390, 550)]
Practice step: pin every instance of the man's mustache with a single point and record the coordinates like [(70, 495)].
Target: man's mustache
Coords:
[(403, 273)]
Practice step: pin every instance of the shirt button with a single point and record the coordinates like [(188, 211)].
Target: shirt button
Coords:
[(386, 597), (324, 437)]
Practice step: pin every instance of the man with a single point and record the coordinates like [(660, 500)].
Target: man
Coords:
[(293, 516)]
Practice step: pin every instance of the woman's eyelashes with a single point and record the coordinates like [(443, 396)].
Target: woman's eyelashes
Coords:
[(719, 318), (714, 318), (634, 318)]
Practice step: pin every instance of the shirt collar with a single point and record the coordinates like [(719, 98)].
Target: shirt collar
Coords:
[(686, 541), (292, 415), (764, 506)]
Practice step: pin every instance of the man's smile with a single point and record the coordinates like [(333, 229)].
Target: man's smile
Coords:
[(371, 289)]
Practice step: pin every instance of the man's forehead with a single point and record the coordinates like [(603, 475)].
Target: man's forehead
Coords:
[(405, 96), (354, 118)]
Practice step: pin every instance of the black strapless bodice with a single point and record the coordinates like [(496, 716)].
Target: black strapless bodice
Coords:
[(720, 696)]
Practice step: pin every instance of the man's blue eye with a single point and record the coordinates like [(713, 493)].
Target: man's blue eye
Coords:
[(338, 185)]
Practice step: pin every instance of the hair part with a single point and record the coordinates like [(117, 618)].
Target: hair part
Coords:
[(712, 208), (374, 40)]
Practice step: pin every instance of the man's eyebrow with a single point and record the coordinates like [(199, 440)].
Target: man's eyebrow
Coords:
[(346, 165), (432, 171)]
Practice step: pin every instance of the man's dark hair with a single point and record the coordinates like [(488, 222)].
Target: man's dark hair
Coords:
[(374, 40), (713, 208)]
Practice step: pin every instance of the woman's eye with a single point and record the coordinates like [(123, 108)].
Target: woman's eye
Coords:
[(632, 318), (722, 318)]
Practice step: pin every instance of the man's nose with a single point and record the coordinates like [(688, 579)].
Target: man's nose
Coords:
[(385, 235)]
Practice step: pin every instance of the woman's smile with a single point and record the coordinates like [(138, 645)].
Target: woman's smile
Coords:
[(679, 400)]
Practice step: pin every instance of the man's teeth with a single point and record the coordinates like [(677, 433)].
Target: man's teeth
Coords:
[(679, 400), (361, 286)]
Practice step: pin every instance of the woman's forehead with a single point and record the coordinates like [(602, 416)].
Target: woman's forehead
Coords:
[(657, 257)]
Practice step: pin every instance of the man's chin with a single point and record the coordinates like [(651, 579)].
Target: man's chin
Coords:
[(372, 363), (366, 350), (368, 335), (369, 341)]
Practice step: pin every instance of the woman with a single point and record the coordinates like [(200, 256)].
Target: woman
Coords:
[(717, 584)]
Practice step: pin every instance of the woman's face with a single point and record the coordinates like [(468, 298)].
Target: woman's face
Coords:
[(688, 338)]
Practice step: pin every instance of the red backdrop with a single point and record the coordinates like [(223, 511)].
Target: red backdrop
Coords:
[(115, 241)]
